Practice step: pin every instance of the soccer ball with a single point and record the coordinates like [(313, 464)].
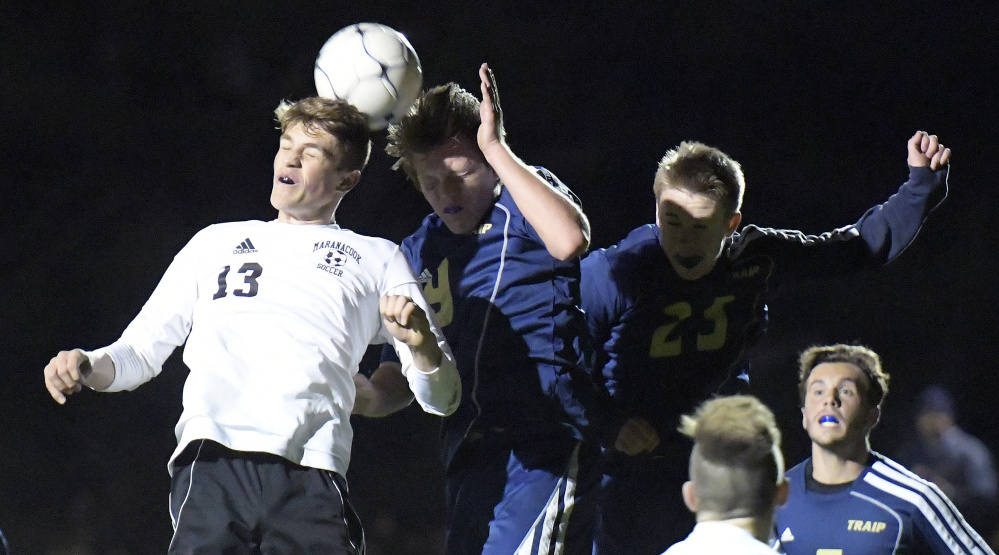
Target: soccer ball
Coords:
[(372, 67)]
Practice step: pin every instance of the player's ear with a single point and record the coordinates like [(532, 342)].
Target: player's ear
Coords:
[(783, 490), (349, 181), (804, 423), (689, 497), (873, 417), (733, 223)]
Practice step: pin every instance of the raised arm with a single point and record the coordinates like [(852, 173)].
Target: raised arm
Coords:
[(559, 221), (889, 227)]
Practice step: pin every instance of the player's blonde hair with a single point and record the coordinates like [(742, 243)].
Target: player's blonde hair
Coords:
[(704, 170), (736, 464), (437, 116), (862, 357), (336, 117)]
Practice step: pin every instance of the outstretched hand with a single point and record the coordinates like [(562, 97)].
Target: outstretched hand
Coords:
[(926, 150), (65, 373), (491, 129)]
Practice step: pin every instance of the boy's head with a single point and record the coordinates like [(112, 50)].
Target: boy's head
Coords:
[(736, 466), (698, 197), (841, 388), (324, 146), (335, 117), (437, 146)]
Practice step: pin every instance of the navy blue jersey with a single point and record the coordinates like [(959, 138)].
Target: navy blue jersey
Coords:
[(663, 344), (886, 510), (509, 311)]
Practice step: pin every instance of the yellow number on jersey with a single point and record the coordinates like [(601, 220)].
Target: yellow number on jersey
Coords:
[(662, 346), (440, 294), (715, 313), (828, 552)]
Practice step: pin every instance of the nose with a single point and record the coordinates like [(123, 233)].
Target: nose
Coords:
[(451, 186), (291, 159), (833, 399), (687, 236)]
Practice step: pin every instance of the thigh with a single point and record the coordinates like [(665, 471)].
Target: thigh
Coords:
[(208, 511), (640, 509), (308, 510), (547, 504), (475, 482)]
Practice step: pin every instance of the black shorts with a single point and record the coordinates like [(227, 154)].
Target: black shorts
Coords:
[(225, 501)]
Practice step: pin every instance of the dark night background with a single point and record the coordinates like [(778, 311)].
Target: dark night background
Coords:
[(128, 126)]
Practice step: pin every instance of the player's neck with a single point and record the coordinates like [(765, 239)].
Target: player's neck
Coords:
[(839, 464), (760, 528)]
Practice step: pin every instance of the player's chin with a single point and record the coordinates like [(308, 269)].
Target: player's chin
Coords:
[(458, 226)]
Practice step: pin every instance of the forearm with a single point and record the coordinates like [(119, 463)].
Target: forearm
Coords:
[(559, 222), (437, 391), (97, 370), (427, 356), (890, 227), (385, 392)]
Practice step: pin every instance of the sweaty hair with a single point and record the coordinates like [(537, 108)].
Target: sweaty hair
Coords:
[(438, 115), (736, 463), (867, 360), (704, 170), (336, 117)]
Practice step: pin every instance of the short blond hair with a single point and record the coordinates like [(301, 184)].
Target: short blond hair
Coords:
[(704, 170), (736, 464), (336, 117)]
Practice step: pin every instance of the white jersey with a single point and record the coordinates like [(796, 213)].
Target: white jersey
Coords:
[(276, 318), (719, 537)]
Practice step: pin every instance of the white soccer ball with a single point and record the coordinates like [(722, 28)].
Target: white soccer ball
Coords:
[(373, 67)]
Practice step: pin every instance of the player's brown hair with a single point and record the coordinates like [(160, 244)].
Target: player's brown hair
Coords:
[(437, 116), (862, 357), (736, 464), (704, 170), (336, 117)]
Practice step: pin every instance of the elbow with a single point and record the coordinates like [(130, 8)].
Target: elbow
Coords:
[(570, 245)]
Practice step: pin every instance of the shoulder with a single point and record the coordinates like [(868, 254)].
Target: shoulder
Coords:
[(640, 240), (892, 482), (226, 227), (227, 231), (796, 474), (638, 249), (377, 244)]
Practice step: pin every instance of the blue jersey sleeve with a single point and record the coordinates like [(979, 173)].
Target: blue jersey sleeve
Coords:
[(599, 296), (890, 227)]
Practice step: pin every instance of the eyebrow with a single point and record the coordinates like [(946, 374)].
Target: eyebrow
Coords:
[(286, 137), (841, 382)]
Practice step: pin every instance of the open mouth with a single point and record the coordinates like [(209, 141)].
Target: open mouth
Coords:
[(689, 262), (286, 180), (828, 420)]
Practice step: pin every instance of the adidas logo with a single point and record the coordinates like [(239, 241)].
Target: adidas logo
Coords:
[(245, 247), (787, 536), (425, 276)]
